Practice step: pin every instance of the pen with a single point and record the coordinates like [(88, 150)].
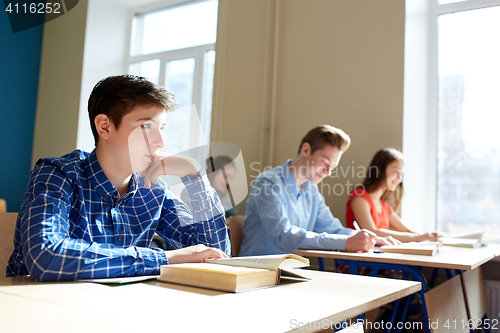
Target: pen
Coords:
[(356, 226)]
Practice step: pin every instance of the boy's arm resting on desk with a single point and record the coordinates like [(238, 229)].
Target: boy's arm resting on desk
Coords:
[(206, 225), (51, 254), (284, 235)]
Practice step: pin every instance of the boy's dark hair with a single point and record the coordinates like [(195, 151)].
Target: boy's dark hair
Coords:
[(218, 162), (321, 135), (116, 96)]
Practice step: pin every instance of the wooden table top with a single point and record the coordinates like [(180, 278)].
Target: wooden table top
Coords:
[(447, 257), (146, 306)]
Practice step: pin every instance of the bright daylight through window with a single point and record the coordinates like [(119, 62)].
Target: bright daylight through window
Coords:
[(468, 140), (175, 47)]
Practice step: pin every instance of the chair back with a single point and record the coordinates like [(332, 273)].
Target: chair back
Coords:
[(7, 227), (235, 225), (3, 206)]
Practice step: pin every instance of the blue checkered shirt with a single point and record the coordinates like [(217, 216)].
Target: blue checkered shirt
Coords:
[(73, 225)]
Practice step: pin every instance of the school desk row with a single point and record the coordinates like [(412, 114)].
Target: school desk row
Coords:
[(326, 299), (465, 295), (152, 306)]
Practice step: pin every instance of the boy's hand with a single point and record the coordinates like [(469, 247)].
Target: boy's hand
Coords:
[(196, 253), (170, 164), (363, 241)]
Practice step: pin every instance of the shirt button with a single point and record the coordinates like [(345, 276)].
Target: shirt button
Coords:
[(119, 238), (104, 196)]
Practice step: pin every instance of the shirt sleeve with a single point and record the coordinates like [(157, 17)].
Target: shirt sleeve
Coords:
[(326, 222), (288, 237), (50, 254), (205, 225)]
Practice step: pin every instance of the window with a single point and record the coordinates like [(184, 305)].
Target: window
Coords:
[(468, 115), (175, 47)]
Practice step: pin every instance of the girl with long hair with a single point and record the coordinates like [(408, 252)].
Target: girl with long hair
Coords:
[(367, 203)]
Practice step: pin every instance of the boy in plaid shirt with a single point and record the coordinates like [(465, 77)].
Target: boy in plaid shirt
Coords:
[(94, 215)]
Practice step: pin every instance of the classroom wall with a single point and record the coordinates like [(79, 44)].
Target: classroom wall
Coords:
[(60, 83), (106, 40), (82, 47), (284, 67), (19, 67)]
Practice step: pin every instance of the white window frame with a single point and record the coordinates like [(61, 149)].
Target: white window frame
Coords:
[(420, 106), (196, 52)]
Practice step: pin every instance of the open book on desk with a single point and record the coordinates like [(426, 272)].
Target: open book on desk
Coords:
[(235, 274), (472, 240)]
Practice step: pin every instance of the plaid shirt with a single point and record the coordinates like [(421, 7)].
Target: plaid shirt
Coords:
[(73, 225)]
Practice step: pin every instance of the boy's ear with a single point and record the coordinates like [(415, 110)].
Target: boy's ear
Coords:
[(305, 149), (102, 125)]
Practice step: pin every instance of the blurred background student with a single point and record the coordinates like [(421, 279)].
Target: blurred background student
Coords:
[(220, 172), (367, 203)]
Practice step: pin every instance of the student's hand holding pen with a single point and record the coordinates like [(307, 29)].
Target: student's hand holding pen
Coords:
[(364, 240)]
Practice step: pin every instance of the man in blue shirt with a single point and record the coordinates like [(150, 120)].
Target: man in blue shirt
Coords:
[(285, 210), (92, 215)]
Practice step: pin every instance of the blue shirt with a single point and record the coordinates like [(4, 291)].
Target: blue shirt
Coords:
[(281, 218), (73, 225)]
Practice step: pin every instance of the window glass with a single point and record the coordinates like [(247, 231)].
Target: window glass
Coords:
[(468, 149), (150, 69), (208, 88), (175, 47), (180, 27), (179, 79), (442, 2)]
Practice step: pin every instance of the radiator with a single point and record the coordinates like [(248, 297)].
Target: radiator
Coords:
[(493, 292)]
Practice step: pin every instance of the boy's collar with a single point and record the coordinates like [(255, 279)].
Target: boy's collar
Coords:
[(101, 183), (291, 186)]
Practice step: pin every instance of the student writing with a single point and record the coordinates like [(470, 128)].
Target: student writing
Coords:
[(366, 203), (285, 210)]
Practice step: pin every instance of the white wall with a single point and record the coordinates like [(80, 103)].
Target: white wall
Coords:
[(418, 137), (106, 42)]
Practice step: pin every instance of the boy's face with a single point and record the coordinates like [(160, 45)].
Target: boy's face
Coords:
[(139, 137), (321, 163)]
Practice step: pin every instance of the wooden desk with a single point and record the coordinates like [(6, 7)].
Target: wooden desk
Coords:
[(450, 258), (155, 306)]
